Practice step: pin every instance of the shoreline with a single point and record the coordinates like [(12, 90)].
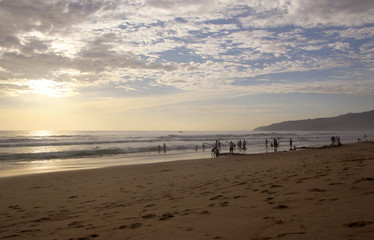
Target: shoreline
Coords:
[(323, 193), (87, 163), (70, 150), (78, 164)]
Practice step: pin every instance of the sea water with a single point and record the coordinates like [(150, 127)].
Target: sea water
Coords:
[(28, 152)]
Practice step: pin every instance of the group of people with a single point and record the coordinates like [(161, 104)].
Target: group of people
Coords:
[(242, 145), (216, 149), (335, 141), (273, 144), (163, 148), (365, 138)]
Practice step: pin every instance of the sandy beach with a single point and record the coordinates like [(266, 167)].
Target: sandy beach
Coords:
[(325, 193)]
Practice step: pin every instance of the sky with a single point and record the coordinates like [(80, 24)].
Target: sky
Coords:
[(212, 65)]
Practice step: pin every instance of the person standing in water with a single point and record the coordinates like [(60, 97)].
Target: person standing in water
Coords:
[(231, 147)]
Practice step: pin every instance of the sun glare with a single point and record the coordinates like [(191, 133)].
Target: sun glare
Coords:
[(48, 88), (41, 133)]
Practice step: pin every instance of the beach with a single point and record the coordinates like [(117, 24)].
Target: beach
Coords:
[(322, 193)]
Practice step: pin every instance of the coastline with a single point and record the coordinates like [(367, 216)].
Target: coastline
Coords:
[(52, 151), (323, 193)]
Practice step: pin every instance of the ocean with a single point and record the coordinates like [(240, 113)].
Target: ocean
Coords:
[(29, 152)]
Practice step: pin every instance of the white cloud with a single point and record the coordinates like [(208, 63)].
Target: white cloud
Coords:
[(340, 46), (89, 43), (359, 33)]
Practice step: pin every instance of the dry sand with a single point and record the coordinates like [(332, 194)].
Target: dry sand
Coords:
[(323, 193)]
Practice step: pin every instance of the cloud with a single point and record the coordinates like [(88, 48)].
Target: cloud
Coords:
[(340, 46), (308, 14), (23, 16), (359, 33), (185, 45)]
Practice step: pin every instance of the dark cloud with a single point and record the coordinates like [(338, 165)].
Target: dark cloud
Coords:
[(189, 5), (342, 6), (34, 46), (30, 57), (9, 41), (43, 16), (337, 13), (95, 60), (34, 66)]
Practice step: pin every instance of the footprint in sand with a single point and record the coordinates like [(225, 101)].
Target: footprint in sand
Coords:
[(362, 223), (367, 179), (281, 206), (148, 216), (269, 200), (239, 196), (187, 212), (368, 193), (14, 207), (132, 226), (317, 190), (333, 184), (76, 224), (291, 193), (150, 205), (85, 238), (267, 191), (205, 212), (290, 233), (30, 230), (187, 229), (43, 219), (224, 204), (328, 200), (236, 183), (275, 221), (166, 216), (216, 197), (11, 236)]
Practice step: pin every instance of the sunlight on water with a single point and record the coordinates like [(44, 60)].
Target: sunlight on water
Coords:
[(41, 133), (42, 166)]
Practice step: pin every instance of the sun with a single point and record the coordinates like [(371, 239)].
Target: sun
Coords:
[(48, 88), (42, 87)]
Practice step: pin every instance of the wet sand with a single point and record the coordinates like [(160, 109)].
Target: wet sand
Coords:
[(325, 193)]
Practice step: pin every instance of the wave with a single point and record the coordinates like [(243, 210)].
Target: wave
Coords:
[(208, 138), (80, 145), (63, 140), (97, 152), (39, 144), (70, 154)]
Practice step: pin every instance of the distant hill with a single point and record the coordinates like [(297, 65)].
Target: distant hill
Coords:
[(347, 122)]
